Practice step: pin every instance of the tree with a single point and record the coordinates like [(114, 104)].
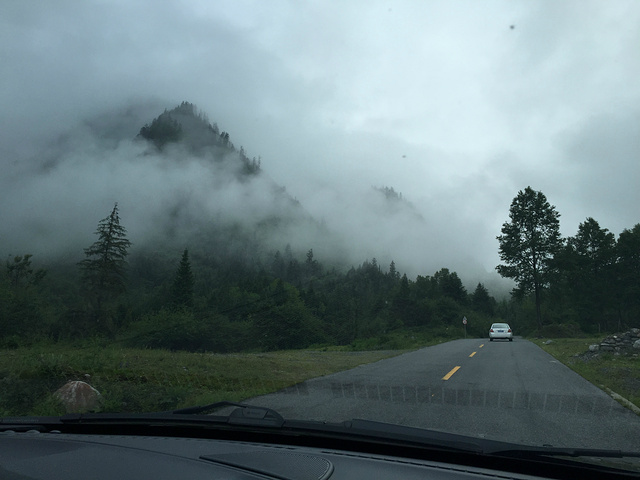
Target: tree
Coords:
[(104, 269), (20, 300), (450, 285), (589, 259), (528, 243), (403, 306), (312, 267), (481, 301), (278, 266), (182, 288), (628, 270), (163, 130), (21, 273), (393, 272)]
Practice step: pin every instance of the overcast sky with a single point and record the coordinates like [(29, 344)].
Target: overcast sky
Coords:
[(456, 104)]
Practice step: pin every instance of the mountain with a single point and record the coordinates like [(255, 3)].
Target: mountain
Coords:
[(187, 126), (396, 204), (232, 209), (180, 182)]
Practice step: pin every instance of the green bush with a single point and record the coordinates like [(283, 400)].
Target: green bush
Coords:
[(183, 330)]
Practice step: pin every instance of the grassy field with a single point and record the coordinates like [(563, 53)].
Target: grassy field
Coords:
[(144, 380), (134, 380), (137, 380), (618, 373)]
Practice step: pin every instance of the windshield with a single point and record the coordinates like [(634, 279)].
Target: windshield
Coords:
[(323, 208)]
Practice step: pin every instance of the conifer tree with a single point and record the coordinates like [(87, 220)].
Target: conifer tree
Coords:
[(104, 268), (182, 288)]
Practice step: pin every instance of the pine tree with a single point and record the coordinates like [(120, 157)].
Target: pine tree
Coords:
[(104, 269), (393, 272), (482, 301), (182, 288), (312, 267), (20, 272)]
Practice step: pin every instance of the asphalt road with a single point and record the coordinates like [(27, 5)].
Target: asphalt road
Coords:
[(510, 391)]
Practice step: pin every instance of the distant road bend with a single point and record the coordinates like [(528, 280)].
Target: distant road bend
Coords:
[(510, 391)]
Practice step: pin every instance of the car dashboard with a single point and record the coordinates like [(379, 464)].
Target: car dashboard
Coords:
[(52, 455)]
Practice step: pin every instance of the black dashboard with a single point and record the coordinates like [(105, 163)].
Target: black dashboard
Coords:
[(51, 456)]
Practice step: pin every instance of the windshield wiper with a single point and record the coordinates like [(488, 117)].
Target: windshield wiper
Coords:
[(191, 417), (535, 452), (249, 418), (266, 419), (243, 414)]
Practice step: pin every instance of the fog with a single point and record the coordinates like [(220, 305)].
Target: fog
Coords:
[(55, 197), (457, 105)]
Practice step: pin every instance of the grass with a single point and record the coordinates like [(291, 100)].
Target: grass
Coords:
[(144, 380), (619, 373), (406, 339), (137, 380)]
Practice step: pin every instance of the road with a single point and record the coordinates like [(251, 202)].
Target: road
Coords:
[(510, 391)]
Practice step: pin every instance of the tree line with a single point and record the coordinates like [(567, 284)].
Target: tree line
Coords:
[(193, 300), (198, 302), (589, 282)]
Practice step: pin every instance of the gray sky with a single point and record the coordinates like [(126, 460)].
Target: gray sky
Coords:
[(442, 100)]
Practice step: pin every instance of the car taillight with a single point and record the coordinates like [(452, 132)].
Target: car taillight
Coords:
[(491, 329), (509, 330)]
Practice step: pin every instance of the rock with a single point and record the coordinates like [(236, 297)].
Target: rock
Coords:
[(78, 397), (636, 344), (548, 342), (594, 347)]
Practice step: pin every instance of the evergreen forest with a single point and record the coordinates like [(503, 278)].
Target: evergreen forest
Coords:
[(220, 288)]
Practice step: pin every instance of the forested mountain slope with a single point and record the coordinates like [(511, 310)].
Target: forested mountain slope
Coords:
[(202, 250)]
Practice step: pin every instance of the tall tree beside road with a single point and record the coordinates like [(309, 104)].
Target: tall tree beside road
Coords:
[(104, 268), (528, 242)]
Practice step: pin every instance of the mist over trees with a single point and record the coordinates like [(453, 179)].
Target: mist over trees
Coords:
[(202, 302), (199, 301), (212, 280)]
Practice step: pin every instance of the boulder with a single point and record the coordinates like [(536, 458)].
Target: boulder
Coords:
[(636, 344), (594, 347), (78, 397)]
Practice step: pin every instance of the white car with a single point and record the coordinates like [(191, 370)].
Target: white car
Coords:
[(500, 330)]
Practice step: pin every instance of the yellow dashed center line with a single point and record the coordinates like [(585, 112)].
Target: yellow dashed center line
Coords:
[(455, 369), (448, 375)]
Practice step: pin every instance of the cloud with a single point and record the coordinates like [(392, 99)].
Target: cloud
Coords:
[(441, 100)]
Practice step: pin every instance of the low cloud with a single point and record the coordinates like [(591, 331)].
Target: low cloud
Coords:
[(54, 199)]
